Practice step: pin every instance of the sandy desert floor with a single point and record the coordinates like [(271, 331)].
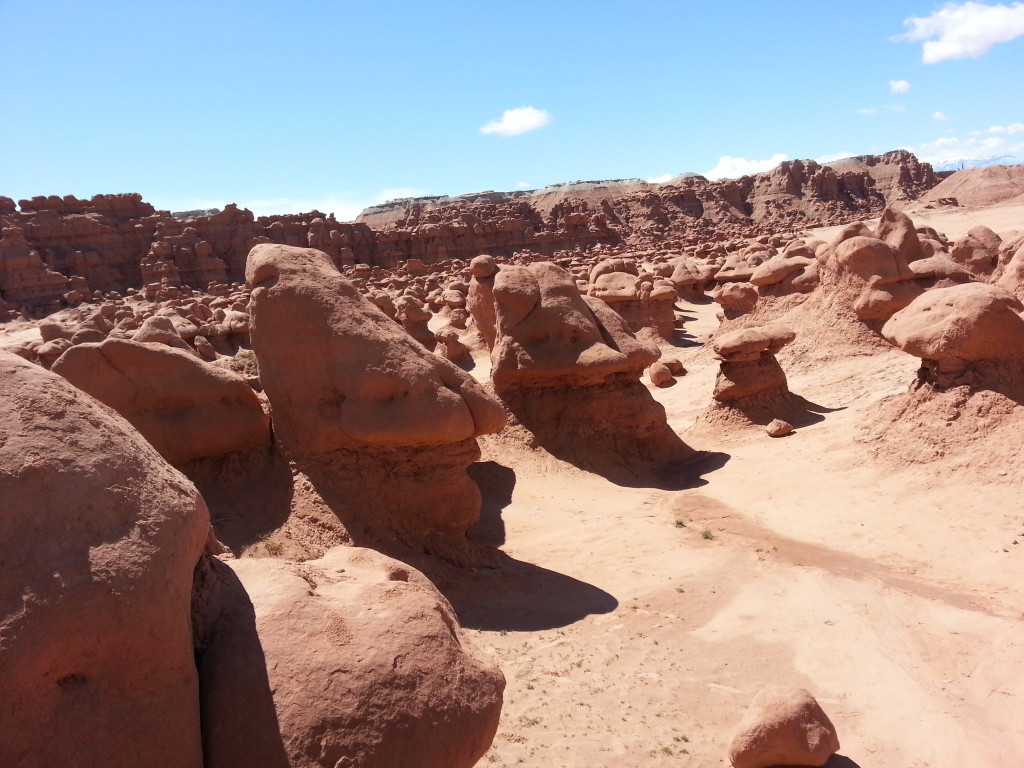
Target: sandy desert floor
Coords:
[(635, 624)]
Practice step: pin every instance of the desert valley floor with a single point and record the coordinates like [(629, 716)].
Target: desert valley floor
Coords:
[(629, 636), (872, 563)]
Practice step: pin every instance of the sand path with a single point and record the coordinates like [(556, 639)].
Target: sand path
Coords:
[(629, 636)]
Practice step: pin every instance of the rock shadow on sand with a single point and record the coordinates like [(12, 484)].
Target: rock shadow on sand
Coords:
[(509, 594), (237, 713), (517, 596), (496, 483)]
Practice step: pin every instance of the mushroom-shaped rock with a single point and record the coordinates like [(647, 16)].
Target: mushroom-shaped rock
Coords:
[(783, 726), (414, 317), (184, 407), (688, 277), (784, 270), (366, 662), (978, 251), (736, 299), (453, 349), (161, 330), (480, 299), (750, 379), (99, 537), (569, 369), (965, 334), (383, 427), (638, 299)]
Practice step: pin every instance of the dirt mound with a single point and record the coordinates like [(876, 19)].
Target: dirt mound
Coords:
[(976, 187)]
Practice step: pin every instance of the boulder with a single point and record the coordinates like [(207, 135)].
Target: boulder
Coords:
[(99, 537), (568, 368), (783, 727), (364, 658), (184, 407)]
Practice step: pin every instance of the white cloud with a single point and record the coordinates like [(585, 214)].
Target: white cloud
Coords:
[(878, 110), (964, 30), (345, 206), (1010, 130), (516, 121), (899, 86), (940, 116), (396, 193), (734, 167), (522, 185), (950, 150), (825, 159), (659, 179)]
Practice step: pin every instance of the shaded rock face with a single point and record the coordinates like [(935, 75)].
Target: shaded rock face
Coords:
[(736, 299), (794, 270), (568, 369), (1009, 275), (966, 335), (99, 537), (783, 726), (480, 299), (978, 251), (384, 428), (364, 658), (184, 407)]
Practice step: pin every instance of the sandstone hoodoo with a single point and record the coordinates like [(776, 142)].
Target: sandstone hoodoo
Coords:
[(99, 540), (383, 428), (968, 335), (568, 369), (750, 380), (643, 301), (340, 421)]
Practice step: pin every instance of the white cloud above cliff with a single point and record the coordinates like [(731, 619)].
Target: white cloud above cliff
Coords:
[(734, 167), (951, 150), (964, 30), (514, 122), (344, 206)]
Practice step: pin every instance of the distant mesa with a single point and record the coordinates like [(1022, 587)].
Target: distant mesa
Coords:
[(58, 250)]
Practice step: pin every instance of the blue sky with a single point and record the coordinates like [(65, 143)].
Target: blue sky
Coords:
[(282, 107)]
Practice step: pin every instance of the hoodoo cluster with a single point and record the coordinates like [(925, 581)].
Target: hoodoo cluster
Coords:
[(347, 377)]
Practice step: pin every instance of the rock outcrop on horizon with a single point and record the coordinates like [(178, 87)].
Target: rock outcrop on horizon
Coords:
[(116, 242)]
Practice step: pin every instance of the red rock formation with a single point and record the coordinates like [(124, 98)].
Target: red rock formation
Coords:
[(363, 658), (568, 369), (184, 407), (99, 537), (783, 726), (383, 427), (24, 278), (107, 239)]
